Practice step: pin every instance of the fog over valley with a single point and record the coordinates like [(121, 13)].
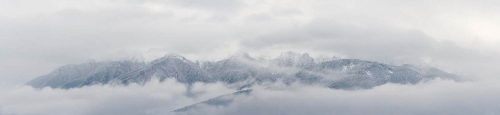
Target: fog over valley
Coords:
[(248, 57)]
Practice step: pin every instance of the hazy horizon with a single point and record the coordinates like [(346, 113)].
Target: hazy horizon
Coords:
[(457, 37)]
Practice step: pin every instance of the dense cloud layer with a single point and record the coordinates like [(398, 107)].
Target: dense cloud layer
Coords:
[(433, 97), (152, 98), (458, 36), (38, 36), (436, 97)]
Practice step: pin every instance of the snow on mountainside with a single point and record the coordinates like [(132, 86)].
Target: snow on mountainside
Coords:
[(171, 65), (89, 73), (291, 59), (289, 67)]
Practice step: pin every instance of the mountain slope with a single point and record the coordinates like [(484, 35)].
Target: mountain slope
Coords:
[(171, 65), (85, 74), (241, 69), (223, 100)]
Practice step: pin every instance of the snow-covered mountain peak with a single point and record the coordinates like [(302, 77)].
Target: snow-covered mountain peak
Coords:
[(292, 59), (171, 57), (324, 58), (241, 56), (175, 56)]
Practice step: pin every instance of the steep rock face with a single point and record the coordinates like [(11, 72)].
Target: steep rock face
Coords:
[(242, 69), (172, 65), (238, 68), (290, 59)]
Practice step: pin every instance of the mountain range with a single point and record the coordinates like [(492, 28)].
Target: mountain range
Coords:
[(242, 70)]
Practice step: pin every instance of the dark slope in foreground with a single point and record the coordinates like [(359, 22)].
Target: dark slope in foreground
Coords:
[(223, 100)]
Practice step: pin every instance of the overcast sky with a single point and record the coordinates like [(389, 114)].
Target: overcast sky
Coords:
[(457, 36)]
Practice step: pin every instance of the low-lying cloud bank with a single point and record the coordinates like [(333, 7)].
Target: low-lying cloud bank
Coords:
[(433, 97), (152, 98)]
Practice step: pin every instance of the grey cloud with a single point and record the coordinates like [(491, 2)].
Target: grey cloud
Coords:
[(287, 12), (43, 35), (272, 15), (218, 5), (432, 97), (38, 36), (379, 42), (435, 97), (259, 17), (153, 98), (357, 41), (77, 35)]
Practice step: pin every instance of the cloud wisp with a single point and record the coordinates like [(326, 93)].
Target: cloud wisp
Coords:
[(151, 98), (48, 34), (432, 97), (435, 97)]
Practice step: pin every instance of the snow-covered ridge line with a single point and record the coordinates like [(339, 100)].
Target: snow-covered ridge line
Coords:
[(289, 67)]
